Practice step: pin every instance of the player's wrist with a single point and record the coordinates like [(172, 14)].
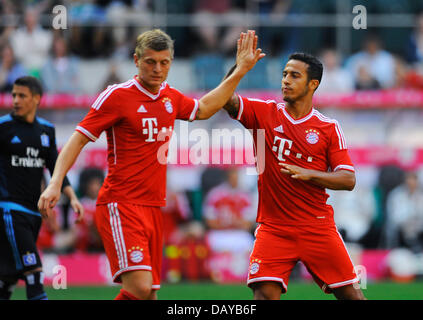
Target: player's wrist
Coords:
[(241, 69), (313, 174), (70, 193), (55, 183)]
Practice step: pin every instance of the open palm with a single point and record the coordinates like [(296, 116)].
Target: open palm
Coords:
[(247, 53)]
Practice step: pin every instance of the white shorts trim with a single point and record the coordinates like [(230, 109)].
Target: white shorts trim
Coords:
[(343, 283), (118, 239), (260, 279), (141, 267)]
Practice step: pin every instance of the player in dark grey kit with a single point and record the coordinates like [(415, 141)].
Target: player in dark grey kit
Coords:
[(27, 146)]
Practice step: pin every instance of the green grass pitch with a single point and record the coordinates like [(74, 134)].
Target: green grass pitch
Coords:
[(212, 291)]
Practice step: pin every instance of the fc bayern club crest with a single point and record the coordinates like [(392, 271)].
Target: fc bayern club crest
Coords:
[(255, 266), (135, 254), (312, 136), (168, 105)]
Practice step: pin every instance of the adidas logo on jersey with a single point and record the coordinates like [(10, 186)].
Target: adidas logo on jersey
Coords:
[(279, 129), (15, 139), (142, 109)]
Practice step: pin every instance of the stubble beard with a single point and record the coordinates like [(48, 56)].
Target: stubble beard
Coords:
[(293, 100)]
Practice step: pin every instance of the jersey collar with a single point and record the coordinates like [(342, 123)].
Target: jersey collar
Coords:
[(148, 93), (297, 121)]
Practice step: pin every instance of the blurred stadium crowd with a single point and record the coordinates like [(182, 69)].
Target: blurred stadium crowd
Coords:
[(213, 218), (106, 29)]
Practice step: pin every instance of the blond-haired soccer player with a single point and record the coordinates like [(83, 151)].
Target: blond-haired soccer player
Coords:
[(136, 116)]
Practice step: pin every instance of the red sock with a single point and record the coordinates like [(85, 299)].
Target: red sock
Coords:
[(125, 295)]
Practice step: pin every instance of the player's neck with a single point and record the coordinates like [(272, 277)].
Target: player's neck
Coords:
[(151, 89), (29, 118), (298, 109)]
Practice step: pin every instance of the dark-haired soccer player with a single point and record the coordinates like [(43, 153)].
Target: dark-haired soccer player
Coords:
[(27, 146), (305, 153), (137, 116)]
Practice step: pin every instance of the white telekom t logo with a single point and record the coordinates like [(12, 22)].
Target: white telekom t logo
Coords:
[(280, 150), (151, 128)]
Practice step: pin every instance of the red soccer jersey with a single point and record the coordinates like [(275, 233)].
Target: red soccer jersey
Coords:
[(138, 125), (313, 142), (225, 204)]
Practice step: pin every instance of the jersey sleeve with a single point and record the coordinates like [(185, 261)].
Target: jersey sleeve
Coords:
[(187, 107), (252, 112), (104, 113), (338, 156)]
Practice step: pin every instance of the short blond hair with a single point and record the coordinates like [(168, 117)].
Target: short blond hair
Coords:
[(156, 40)]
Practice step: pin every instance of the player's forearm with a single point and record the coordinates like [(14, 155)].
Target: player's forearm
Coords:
[(69, 192), (232, 105), (213, 101), (338, 180), (67, 158)]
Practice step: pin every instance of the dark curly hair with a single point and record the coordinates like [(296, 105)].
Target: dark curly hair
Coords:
[(315, 67)]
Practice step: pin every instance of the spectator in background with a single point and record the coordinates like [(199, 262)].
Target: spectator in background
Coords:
[(8, 10), (185, 251), (176, 212), (87, 237), (275, 39), (112, 77), (229, 214), (31, 43), (390, 176), (354, 213), (53, 237), (402, 72), (405, 215), (210, 178), (414, 53), (372, 63), (214, 38), (121, 14), (89, 36), (365, 81), (10, 69), (334, 79), (186, 40), (60, 73), (414, 56), (227, 206)]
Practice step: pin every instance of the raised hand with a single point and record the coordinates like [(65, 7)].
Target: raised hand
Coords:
[(247, 53)]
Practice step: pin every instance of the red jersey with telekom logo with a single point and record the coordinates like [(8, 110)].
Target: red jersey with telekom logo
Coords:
[(313, 142), (138, 125)]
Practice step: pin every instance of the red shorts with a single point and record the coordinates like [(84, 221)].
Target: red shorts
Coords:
[(132, 238), (320, 248)]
